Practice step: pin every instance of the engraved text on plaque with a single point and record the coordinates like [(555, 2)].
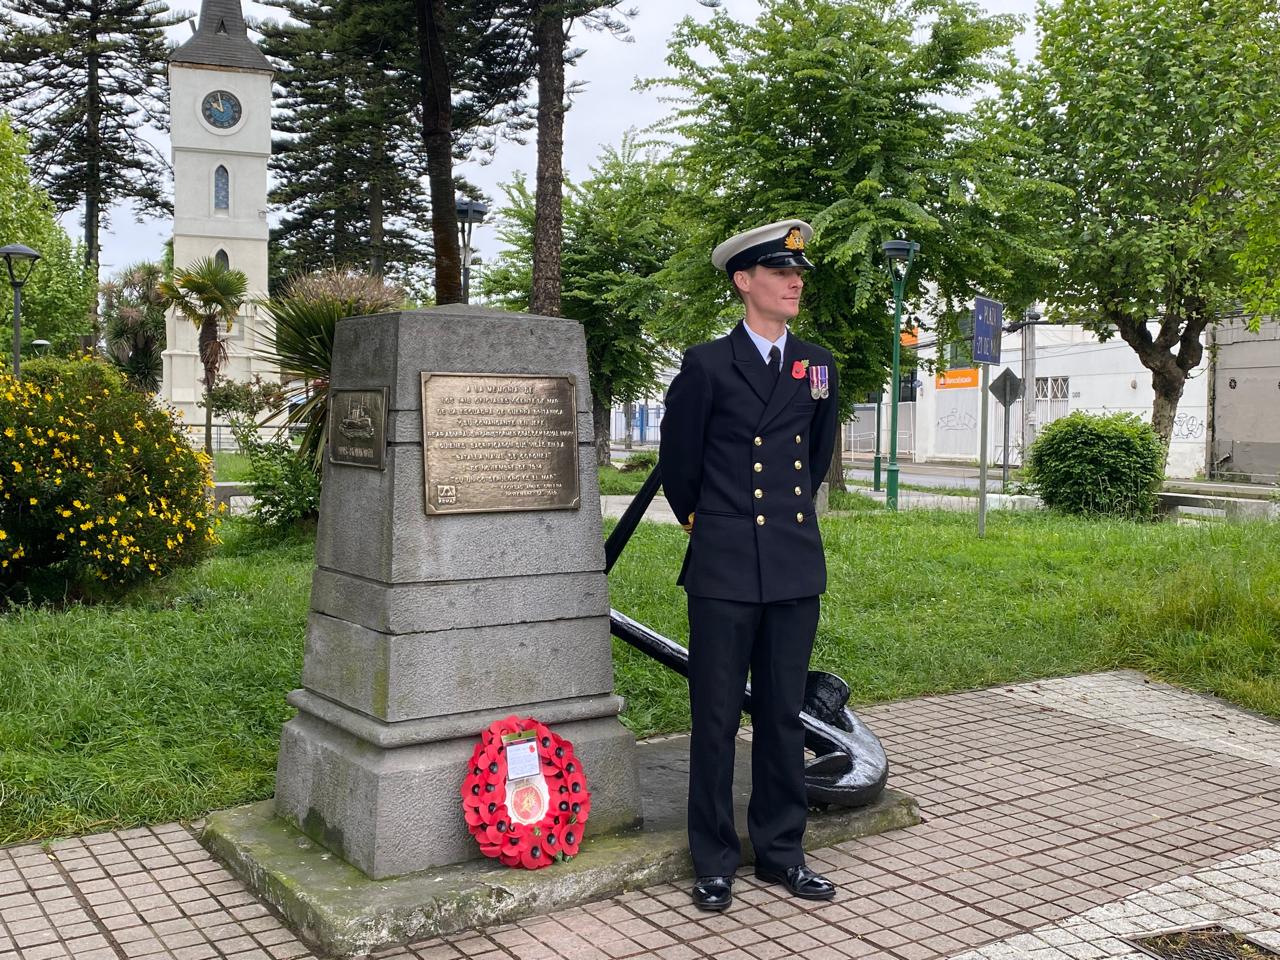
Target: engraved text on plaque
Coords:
[(499, 442)]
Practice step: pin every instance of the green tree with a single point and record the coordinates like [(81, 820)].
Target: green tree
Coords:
[(209, 295), (58, 297), (617, 235), (838, 112), (347, 165), (552, 22), (1158, 118), (133, 314), (86, 78)]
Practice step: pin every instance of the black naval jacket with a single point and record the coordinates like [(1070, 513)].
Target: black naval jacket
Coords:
[(745, 454)]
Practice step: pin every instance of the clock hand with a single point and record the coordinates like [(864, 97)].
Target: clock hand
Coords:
[(221, 108)]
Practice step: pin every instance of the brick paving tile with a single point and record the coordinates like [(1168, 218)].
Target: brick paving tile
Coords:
[(1042, 803)]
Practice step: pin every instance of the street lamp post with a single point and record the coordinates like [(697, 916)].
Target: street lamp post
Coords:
[(899, 254), (470, 212), (20, 261)]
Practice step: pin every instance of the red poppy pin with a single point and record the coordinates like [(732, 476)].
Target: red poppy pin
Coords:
[(799, 369)]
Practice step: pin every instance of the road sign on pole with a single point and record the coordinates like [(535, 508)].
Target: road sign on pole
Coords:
[(1006, 388), (988, 320)]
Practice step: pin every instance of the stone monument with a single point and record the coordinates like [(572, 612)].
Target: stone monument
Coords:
[(459, 579)]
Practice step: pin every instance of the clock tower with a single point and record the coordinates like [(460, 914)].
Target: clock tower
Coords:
[(220, 116)]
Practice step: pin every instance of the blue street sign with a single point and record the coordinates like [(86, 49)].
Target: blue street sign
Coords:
[(988, 319)]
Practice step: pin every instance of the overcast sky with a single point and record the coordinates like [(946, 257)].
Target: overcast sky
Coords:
[(605, 109)]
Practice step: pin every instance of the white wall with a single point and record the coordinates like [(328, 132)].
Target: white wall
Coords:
[(1102, 378)]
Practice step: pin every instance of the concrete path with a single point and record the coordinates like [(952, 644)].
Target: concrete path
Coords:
[(1060, 816)]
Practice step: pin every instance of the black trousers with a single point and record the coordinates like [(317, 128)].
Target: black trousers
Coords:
[(773, 640)]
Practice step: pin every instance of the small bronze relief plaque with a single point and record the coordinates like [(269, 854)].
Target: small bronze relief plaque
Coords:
[(493, 442), (358, 427)]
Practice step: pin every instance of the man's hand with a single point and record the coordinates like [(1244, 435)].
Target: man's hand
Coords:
[(688, 527)]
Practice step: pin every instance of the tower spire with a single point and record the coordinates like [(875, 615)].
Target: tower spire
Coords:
[(221, 40)]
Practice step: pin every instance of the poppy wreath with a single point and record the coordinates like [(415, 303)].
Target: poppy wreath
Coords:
[(532, 846)]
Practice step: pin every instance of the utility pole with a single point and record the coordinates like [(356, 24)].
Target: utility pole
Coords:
[(1029, 380)]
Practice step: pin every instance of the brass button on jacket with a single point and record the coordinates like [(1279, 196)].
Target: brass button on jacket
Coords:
[(797, 438), (760, 466), (760, 520), (799, 518), (799, 492), (760, 493), (759, 441), (799, 465)]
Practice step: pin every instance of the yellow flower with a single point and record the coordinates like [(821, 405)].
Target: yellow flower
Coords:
[(34, 501), (3, 535), (9, 432), (17, 467)]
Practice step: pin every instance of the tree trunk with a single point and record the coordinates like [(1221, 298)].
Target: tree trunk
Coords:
[(437, 138), (377, 250), (835, 470), (548, 227), (1168, 389), (208, 354), (600, 415), (93, 164)]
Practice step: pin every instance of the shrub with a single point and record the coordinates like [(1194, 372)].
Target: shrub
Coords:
[(97, 485), (247, 398), (1091, 464), (286, 489), (641, 460)]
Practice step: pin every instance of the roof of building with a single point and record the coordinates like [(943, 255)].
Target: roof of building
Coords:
[(221, 40)]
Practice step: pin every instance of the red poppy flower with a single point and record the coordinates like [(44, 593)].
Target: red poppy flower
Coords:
[(798, 370)]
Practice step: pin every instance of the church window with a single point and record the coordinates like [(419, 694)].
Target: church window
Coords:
[(221, 188), (222, 260)]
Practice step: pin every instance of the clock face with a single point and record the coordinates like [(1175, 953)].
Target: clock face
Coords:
[(221, 109)]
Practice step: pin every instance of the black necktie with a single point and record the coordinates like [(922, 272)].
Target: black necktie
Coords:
[(775, 360)]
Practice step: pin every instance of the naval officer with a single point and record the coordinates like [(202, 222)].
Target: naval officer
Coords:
[(747, 437)]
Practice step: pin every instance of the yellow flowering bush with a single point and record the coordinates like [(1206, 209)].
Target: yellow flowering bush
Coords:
[(98, 486)]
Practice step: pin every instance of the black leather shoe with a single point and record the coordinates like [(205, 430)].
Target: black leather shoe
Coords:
[(801, 881), (713, 893)]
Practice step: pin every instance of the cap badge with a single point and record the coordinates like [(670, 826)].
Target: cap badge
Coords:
[(794, 240), (799, 369), (819, 388)]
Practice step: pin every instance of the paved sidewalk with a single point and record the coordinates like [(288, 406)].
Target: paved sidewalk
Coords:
[(1059, 817)]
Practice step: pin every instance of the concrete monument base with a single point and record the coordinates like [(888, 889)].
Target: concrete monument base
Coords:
[(341, 911)]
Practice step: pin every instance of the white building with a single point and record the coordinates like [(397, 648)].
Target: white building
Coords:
[(1073, 371), (220, 107)]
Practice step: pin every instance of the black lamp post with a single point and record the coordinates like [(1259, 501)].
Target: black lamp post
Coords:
[(470, 212), (20, 261), (898, 255)]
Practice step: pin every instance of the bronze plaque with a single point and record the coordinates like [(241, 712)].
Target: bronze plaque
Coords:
[(499, 442), (358, 427)]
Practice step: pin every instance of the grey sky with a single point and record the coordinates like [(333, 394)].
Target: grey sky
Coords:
[(601, 114)]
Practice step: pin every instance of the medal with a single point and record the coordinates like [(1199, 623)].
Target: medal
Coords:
[(819, 388)]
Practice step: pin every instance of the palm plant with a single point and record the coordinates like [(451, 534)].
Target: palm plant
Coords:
[(209, 295), (300, 335), (133, 308)]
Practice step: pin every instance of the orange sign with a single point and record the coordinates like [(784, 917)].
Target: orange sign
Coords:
[(955, 379)]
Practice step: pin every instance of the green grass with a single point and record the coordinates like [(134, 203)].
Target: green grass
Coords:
[(164, 706), (169, 704), (625, 482), (853, 500), (920, 487), (228, 465)]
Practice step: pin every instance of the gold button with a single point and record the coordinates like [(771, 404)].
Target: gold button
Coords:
[(760, 520), (758, 441), (798, 465), (799, 518), (760, 493), (798, 492), (758, 467), (797, 438)]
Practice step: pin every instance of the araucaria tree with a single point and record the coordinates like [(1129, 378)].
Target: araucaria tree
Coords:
[(836, 112), (618, 230), (84, 78), (347, 158), (209, 295), (1158, 118)]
